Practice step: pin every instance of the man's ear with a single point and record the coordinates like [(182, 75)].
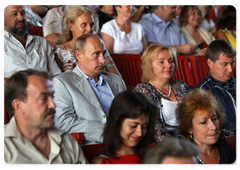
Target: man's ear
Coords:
[(78, 55), (17, 105), (209, 63)]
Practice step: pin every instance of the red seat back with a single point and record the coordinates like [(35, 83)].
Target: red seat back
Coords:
[(232, 141), (79, 137), (129, 66), (36, 30), (234, 69), (184, 73), (7, 116), (90, 151), (199, 67)]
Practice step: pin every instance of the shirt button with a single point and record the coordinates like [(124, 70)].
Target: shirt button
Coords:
[(29, 62), (104, 116)]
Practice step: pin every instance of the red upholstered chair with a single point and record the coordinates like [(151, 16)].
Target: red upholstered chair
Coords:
[(79, 137), (7, 116), (129, 66), (232, 141), (90, 151), (184, 73), (36, 30), (199, 67), (234, 69)]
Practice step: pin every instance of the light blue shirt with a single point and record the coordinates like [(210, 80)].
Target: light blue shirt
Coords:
[(101, 90), (160, 31)]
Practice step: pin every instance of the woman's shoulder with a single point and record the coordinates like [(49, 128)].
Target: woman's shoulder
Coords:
[(98, 159)]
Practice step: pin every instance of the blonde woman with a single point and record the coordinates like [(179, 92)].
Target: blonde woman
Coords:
[(159, 65)]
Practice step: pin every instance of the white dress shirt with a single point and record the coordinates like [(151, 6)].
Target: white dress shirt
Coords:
[(37, 54)]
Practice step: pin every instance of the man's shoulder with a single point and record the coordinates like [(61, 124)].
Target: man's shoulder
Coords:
[(204, 84), (65, 76), (146, 18)]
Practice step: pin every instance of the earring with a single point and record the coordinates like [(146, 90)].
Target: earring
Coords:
[(191, 136)]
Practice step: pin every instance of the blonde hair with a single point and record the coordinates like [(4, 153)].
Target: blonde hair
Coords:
[(149, 55), (71, 16)]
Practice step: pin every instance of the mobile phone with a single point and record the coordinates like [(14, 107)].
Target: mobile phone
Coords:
[(200, 44)]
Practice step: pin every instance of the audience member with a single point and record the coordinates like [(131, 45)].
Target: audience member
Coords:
[(190, 19), (53, 24), (172, 151), (200, 118), (42, 10), (226, 28), (30, 136), (78, 21), (159, 66), (220, 59), (129, 130), (207, 23), (121, 35), (105, 14), (160, 28), (22, 50), (84, 95)]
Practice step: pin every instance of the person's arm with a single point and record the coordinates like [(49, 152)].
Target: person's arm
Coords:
[(186, 48), (97, 160), (52, 39), (221, 35), (108, 40), (137, 16), (144, 42)]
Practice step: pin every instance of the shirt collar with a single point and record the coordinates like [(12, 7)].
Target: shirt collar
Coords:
[(159, 20), (218, 83), (100, 82)]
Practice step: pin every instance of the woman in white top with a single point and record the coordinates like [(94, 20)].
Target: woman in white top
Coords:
[(120, 35)]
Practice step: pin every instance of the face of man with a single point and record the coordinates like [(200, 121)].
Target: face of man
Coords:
[(92, 61), (39, 107), (14, 19), (222, 69), (168, 11)]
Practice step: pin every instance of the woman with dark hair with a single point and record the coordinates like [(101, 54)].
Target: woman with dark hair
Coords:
[(129, 130), (121, 35), (226, 28), (200, 119), (105, 14)]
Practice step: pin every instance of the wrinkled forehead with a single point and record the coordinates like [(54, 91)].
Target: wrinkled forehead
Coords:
[(11, 8)]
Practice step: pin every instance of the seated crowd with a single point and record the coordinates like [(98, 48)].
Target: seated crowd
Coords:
[(66, 82)]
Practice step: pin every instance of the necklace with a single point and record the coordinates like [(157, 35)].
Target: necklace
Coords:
[(200, 160), (169, 93)]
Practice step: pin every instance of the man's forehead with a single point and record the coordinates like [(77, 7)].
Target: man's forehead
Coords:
[(11, 8), (94, 43)]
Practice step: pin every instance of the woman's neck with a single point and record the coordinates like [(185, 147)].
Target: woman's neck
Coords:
[(125, 151), (124, 24)]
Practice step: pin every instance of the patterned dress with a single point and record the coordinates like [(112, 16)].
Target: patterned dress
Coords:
[(66, 60), (149, 91)]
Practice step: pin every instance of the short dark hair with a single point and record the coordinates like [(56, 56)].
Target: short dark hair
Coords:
[(171, 147), (218, 47), (81, 41), (128, 104), (15, 87), (197, 99)]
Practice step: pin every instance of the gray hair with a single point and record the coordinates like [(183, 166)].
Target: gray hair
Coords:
[(171, 147)]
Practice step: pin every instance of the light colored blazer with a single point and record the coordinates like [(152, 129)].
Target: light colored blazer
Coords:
[(77, 106), (207, 36)]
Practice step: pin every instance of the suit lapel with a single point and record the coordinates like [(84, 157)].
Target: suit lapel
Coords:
[(86, 89), (111, 85)]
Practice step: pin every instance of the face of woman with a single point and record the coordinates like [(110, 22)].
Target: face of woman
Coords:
[(108, 9), (194, 17), (83, 24), (163, 66), (133, 130), (125, 10), (205, 127)]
